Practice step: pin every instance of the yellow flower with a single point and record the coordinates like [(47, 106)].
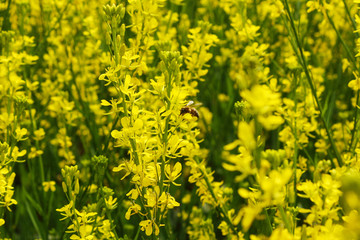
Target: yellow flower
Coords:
[(147, 226), (313, 5), (282, 234), (39, 134), (264, 103), (172, 173), (66, 211), (246, 133), (49, 185), (132, 210), (85, 233), (111, 203), (354, 84), (114, 105), (20, 133), (249, 213), (34, 153)]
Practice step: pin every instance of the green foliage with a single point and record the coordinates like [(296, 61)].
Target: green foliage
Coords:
[(179, 119)]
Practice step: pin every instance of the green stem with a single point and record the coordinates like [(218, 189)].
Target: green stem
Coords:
[(133, 146), (353, 23), (164, 141), (39, 49), (353, 61), (220, 208), (163, 159), (114, 41), (32, 129), (285, 219), (137, 234), (295, 142), (268, 221), (107, 142), (112, 225), (6, 22), (312, 87), (351, 55), (257, 151), (169, 22), (353, 132)]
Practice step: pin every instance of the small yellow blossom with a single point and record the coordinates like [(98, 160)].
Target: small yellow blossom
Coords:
[(354, 84), (149, 226), (66, 211), (50, 185), (34, 153), (111, 203)]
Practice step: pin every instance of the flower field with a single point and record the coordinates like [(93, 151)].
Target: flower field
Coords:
[(180, 119)]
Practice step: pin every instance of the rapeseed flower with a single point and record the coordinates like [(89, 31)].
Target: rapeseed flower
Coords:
[(94, 94)]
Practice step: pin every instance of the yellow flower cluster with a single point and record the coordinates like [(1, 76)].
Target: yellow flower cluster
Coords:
[(179, 119)]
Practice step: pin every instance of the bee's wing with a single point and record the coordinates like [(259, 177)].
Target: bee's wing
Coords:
[(190, 103)]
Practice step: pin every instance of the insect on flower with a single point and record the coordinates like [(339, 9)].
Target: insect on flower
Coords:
[(191, 110)]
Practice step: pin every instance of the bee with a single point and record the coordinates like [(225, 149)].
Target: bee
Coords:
[(191, 110)]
